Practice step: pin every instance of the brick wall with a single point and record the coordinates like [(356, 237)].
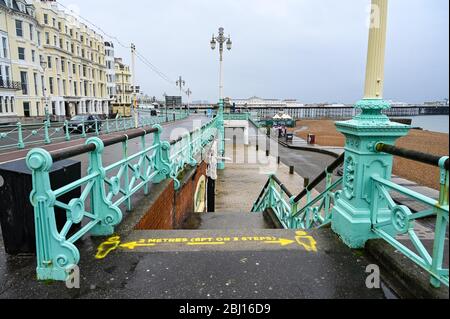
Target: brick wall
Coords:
[(172, 207), (160, 215), (184, 200)]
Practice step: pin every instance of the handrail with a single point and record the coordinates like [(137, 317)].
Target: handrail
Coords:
[(23, 135), (104, 190), (83, 149), (412, 155), (330, 169), (282, 186)]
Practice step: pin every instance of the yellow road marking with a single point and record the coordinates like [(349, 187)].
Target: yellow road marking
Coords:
[(302, 239)]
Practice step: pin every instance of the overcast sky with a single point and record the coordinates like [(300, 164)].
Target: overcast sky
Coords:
[(311, 50)]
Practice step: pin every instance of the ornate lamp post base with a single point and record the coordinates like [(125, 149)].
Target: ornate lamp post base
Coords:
[(352, 210)]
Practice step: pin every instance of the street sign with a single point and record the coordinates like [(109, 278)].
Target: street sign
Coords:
[(174, 101)]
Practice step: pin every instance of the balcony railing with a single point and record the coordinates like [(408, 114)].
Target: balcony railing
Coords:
[(11, 85)]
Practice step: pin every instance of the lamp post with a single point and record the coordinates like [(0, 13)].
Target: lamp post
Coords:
[(352, 212), (44, 65), (188, 93), (181, 83), (221, 39)]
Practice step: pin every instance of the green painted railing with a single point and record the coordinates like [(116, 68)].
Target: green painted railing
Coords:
[(20, 136), (388, 219), (106, 190), (306, 211)]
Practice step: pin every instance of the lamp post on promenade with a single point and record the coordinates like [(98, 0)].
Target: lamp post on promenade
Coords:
[(181, 83), (44, 65), (352, 212), (221, 39)]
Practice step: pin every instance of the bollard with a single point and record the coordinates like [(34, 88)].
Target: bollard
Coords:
[(66, 127), (279, 160), (291, 170), (306, 182), (267, 153), (20, 143), (257, 147), (46, 132)]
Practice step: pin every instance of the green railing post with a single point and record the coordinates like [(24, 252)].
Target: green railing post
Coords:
[(221, 136), (83, 129), (47, 139), (327, 200), (162, 157), (107, 126), (20, 143), (96, 127), (55, 256), (117, 124), (67, 133), (103, 209), (126, 175), (441, 226)]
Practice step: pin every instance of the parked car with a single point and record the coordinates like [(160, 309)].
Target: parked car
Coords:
[(76, 123)]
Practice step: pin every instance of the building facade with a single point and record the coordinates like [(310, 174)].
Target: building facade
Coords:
[(110, 73), (51, 63), (75, 71), (8, 87), (124, 89)]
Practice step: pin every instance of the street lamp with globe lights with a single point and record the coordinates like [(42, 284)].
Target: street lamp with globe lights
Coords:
[(221, 39), (44, 66)]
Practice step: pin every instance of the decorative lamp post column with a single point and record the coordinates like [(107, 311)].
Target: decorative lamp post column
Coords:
[(352, 210), (43, 64), (221, 39)]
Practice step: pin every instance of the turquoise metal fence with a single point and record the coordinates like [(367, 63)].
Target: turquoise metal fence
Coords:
[(105, 190), (20, 136)]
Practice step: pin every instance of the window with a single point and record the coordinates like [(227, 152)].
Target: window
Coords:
[(64, 88), (5, 47), (74, 69), (31, 32), (47, 38), (7, 76), (63, 65), (19, 28), (39, 38), (33, 55), (54, 22), (21, 54), (50, 82), (49, 62), (45, 18), (35, 77), (26, 109), (24, 80), (43, 85)]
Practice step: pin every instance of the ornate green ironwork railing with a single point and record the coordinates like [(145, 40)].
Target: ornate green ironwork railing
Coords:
[(390, 221), (305, 211), (236, 116), (20, 136), (105, 189)]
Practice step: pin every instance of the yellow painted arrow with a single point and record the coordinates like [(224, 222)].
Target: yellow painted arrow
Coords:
[(282, 242)]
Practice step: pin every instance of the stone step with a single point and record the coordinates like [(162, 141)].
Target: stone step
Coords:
[(225, 220), (262, 263), (151, 241)]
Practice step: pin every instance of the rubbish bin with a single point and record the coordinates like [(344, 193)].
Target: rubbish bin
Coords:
[(311, 139), (16, 211)]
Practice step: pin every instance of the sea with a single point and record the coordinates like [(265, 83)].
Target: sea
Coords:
[(432, 123)]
